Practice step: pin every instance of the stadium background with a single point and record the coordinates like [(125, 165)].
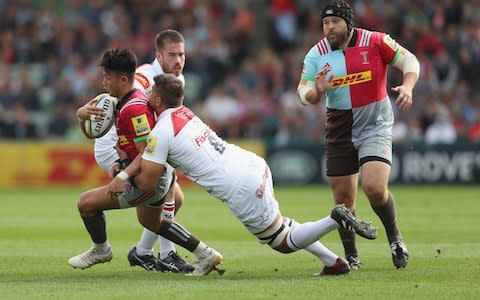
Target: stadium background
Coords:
[(243, 59)]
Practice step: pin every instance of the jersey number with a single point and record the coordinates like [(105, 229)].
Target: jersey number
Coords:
[(216, 143)]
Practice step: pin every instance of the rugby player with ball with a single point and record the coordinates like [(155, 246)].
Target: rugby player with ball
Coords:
[(134, 121), (170, 58)]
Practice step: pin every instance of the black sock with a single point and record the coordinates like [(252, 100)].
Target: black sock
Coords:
[(96, 228), (178, 235), (348, 241), (387, 215)]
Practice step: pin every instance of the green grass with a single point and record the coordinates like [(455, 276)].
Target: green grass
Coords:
[(41, 229)]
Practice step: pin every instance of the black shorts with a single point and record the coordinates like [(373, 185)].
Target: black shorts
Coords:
[(342, 158)]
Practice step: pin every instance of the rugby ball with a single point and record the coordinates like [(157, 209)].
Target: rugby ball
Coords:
[(94, 129)]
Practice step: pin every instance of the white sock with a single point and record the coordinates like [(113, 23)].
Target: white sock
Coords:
[(318, 249), (323, 253), (146, 242), (166, 246), (103, 247), (306, 233), (201, 250)]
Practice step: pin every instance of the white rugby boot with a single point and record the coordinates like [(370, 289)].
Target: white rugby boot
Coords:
[(208, 263), (90, 257)]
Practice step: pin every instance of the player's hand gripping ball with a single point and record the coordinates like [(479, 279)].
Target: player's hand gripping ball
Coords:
[(94, 128)]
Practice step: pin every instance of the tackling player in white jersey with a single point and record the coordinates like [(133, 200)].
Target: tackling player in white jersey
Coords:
[(235, 176), (170, 58)]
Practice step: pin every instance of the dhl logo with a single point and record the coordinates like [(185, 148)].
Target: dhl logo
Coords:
[(351, 79)]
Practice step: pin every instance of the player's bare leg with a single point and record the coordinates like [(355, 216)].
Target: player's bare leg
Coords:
[(344, 190), (91, 206), (375, 176)]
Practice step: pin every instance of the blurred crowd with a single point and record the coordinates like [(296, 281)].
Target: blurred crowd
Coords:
[(244, 60)]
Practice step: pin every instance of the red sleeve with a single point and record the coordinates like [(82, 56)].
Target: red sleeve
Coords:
[(139, 121), (134, 123), (387, 46)]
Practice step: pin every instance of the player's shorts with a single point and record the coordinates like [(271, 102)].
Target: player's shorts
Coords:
[(132, 196), (253, 201), (346, 158)]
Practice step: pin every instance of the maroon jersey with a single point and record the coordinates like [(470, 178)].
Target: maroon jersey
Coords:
[(135, 119)]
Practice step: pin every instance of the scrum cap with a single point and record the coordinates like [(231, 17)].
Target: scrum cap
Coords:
[(341, 9)]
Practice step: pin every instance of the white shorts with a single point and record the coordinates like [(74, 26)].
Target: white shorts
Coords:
[(253, 201)]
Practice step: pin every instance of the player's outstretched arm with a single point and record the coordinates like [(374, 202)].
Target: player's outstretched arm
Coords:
[(408, 63), (405, 91)]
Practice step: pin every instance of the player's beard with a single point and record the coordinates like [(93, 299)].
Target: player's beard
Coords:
[(176, 69), (339, 39)]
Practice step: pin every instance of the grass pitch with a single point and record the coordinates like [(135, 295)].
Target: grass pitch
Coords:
[(41, 229)]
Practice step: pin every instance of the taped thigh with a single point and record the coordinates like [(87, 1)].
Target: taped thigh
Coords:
[(275, 234)]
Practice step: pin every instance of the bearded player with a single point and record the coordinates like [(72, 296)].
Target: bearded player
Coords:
[(349, 67)]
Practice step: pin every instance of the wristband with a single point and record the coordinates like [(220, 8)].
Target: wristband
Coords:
[(123, 175)]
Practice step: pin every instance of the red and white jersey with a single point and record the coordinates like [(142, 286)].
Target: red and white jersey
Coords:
[(104, 152), (190, 146), (134, 121), (144, 76)]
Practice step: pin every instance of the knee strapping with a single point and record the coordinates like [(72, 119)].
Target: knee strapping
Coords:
[(275, 234)]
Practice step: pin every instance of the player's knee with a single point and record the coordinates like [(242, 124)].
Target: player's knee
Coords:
[(276, 235), (344, 196), (376, 193), (152, 225), (283, 248), (85, 206)]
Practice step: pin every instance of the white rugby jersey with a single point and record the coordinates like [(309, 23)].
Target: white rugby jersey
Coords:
[(190, 146), (104, 147), (144, 76)]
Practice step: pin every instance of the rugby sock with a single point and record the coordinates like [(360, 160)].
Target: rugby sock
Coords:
[(103, 247), (175, 232), (146, 243), (348, 241), (201, 251), (306, 233), (166, 246), (95, 226), (317, 248), (387, 215)]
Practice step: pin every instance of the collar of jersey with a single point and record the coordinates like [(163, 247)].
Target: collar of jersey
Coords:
[(125, 98)]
